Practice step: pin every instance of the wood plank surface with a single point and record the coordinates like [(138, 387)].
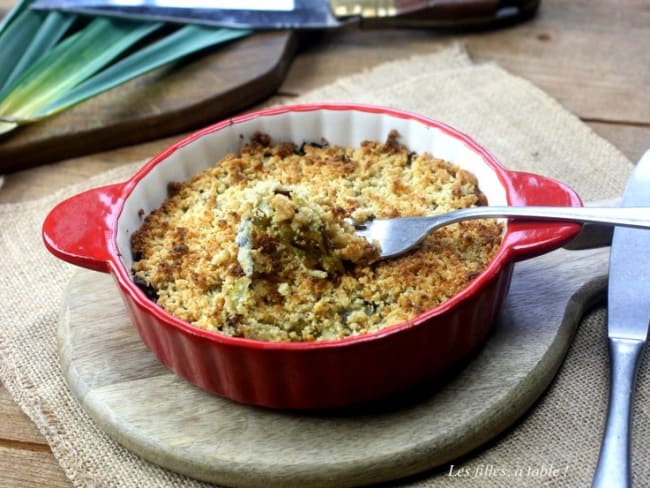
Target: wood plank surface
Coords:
[(25, 458), (144, 406), (14, 430), (25, 468), (591, 55)]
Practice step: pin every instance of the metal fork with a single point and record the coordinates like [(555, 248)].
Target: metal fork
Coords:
[(397, 236)]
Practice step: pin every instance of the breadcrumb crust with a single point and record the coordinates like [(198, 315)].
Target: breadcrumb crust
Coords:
[(256, 247)]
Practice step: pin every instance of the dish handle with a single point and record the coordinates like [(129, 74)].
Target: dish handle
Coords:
[(80, 230), (530, 239)]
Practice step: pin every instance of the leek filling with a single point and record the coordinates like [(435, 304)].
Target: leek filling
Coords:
[(283, 233)]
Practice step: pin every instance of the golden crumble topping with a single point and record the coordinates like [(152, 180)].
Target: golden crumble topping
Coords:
[(257, 245)]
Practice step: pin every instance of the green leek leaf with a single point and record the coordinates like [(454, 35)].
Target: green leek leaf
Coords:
[(51, 30), (7, 126), (72, 61), (186, 40), (16, 10), (49, 69), (15, 38)]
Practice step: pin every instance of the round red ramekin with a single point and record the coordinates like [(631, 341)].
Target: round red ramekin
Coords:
[(92, 230)]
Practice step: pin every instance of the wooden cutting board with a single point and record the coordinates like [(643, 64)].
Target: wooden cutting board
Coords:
[(195, 92), (145, 407)]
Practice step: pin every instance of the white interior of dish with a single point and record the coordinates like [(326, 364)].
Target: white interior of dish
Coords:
[(341, 127)]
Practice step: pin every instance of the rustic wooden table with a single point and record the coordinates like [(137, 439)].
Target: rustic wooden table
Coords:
[(592, 56)]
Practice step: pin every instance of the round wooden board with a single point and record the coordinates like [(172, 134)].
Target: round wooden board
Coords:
[(145, 407)]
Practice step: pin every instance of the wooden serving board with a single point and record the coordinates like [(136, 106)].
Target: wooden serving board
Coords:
[(145, 407), (192, 93)]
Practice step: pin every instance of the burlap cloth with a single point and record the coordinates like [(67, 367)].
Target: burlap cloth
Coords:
[(556, 444)]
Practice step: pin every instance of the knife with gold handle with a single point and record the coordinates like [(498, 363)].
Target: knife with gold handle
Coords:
[(308, 14)]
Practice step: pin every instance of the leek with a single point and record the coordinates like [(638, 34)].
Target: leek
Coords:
[(52, 61), (50, 32), (181, 43)]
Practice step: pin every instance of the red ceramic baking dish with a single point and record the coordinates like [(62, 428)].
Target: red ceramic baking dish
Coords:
[(93, 229)]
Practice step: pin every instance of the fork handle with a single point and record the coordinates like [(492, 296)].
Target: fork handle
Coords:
[(626, 216), (613, 467)]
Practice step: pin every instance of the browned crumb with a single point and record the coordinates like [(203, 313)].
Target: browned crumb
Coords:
[(257, 247)]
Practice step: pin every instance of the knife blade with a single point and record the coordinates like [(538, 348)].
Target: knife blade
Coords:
[(627, 329), (307, 14), (629, 266)]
